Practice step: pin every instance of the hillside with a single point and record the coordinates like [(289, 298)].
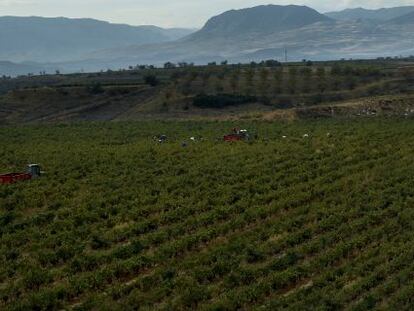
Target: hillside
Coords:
[(61, 39), (383, 14), (260, 20), (407, 19), (241, 37), (212, 92)]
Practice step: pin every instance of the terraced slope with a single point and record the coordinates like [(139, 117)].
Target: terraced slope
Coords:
[(120, 222)]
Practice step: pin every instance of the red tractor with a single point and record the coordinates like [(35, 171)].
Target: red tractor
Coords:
[(33, 171), (237, 135)]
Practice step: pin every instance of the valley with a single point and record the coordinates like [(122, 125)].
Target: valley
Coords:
[(261, 162)]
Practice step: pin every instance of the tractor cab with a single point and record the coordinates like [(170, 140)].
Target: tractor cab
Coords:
[(34, 170)]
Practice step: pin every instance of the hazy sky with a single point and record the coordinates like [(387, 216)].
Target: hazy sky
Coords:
[(166, 13)]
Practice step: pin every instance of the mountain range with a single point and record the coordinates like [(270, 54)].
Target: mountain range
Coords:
[(384, 14), (250, 34), (404, 19), (60, 39)]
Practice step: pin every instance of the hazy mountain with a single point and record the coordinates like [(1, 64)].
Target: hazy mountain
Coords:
[(259, 33), (264, 32), (379, 15), (406, 19), (61, 39), (225, 34), (260, 19)]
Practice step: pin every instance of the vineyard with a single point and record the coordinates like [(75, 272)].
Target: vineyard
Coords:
[(311, 215)]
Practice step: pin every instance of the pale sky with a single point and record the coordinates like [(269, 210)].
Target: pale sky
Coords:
[(165, 13)]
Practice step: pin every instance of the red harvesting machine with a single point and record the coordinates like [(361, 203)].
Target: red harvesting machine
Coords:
[(237, 135), (33, 171)]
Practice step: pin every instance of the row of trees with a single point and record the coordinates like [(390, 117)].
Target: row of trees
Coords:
[(267, 81)]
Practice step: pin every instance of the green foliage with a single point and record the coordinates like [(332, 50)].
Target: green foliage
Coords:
[(221, 100), (35, 278), (120, 222), (151, 80), (98, 241), (96, 89)]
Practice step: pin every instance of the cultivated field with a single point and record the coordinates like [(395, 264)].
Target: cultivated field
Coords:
[(322, 219), (216, 91)]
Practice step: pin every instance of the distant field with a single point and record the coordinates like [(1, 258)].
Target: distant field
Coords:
[(216, 91), (120, 222)]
